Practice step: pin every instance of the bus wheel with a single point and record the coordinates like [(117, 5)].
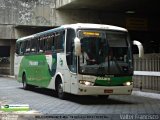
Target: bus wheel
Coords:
[(24, 82), (60, 91), (103, 96)]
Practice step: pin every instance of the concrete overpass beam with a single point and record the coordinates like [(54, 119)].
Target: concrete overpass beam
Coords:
[(7, 32), (61, 3)]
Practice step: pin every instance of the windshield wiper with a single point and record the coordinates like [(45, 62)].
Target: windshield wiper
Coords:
[(101, 70), (117, 65)]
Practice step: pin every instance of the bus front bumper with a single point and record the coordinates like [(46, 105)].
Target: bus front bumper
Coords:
[(105, 90)]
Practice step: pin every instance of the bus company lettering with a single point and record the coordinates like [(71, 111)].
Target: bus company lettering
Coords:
[(104, 78), (33, 63)]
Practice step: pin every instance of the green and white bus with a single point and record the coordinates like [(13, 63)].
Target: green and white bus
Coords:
[(51, 59)]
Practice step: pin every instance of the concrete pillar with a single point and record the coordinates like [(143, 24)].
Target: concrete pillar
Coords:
[(12, 51)]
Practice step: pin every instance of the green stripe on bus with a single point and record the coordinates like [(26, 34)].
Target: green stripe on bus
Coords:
[(36, 69)]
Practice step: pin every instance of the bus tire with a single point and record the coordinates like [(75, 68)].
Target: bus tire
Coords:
[(24, 82), (60, 92)]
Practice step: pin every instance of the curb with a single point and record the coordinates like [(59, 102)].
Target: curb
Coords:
[(9, 76)]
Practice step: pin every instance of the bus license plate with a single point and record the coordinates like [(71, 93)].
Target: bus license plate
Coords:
[(108, 91)]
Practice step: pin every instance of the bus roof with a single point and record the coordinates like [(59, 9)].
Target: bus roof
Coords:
[(25, 38), (94, 26), (38, 34), (76, 26)]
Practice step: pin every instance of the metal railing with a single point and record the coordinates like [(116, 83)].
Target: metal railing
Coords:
[(147, 72)]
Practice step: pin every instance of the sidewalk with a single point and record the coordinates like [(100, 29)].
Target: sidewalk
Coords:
[(9, 76), (146, 93)]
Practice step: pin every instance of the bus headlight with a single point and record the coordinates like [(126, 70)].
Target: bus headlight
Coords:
[(88, 83), (128, 83)]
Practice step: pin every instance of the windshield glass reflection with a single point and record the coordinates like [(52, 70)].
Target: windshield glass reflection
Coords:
[(105, 53)]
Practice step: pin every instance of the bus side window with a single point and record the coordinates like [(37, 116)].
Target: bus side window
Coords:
[(27, 50), (18, 45), (49, 43), (33, 46), (70, 56), (22, 48), (59, 41), (41, 45)]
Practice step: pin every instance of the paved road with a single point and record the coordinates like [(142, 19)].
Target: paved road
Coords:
[(44, 101)]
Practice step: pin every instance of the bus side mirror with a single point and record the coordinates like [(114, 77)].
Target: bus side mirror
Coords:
[(77, 45), (140, 48)]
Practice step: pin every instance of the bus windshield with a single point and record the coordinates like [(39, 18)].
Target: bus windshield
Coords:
[(105, 53)]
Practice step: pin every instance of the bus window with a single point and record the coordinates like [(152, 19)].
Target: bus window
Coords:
[(27, 49), (33, 45), (22, 48), (59, 41), (49, 43), (18, 45), (70, 56), (41, 45)]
